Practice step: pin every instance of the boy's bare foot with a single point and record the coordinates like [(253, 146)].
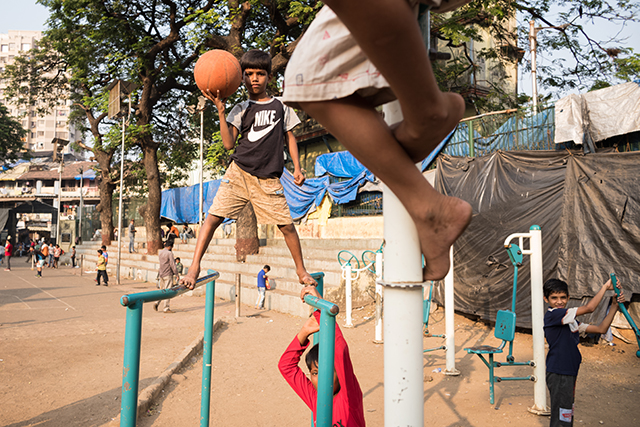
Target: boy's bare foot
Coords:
[(421, 138), (306, 279), (438, 228)]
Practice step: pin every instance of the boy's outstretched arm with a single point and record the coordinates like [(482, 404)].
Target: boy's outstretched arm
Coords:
[(228, 134), (606, 322), (591, 306), (298, 177)]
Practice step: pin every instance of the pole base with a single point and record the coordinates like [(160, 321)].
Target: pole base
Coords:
[(378, 342), (454, 372), (543, 412)]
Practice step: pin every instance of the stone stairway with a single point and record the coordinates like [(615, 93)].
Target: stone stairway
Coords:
[(320, 255)]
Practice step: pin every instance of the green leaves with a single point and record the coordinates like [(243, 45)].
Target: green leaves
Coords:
[(11, 135)]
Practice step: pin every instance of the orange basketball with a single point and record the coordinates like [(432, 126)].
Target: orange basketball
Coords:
[(218, 70)]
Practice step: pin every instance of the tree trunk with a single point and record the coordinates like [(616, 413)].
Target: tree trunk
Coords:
[(150, 211), (106, 196), (247, 242)]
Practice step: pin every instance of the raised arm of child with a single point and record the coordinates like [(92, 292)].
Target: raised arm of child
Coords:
[(591, 306), (228, 133), (606, 322)]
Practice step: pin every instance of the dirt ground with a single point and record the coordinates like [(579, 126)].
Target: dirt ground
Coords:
[(247, 389)]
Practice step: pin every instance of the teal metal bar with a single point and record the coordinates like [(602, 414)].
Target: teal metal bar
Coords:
[(623, 309), (326, 354), (319, 277), (131, 366), (207, 352), (132, 341)]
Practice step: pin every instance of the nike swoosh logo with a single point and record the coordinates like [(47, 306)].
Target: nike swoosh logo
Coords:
[(255, 135)]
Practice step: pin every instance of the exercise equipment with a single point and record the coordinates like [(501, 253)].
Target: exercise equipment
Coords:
[(505, 330), (623, 309)]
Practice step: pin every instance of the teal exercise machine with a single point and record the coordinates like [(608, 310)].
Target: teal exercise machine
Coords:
[(624, 311), (504, 330)]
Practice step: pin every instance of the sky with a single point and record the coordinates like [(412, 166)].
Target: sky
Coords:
[(28, 15)]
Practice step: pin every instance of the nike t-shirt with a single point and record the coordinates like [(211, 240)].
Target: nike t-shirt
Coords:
[(262, 127)]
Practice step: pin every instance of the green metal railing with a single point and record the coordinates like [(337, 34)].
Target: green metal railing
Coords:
[(326, 354), (132, 341)]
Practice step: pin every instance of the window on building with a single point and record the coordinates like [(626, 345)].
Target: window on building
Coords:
[(26, 46), (12, 46), (62, 113), (33, 135), (4, 48), (40, 123), (33, 125), (60, 123), (62, 135), (33, 114), (40, 133), (3, 59)]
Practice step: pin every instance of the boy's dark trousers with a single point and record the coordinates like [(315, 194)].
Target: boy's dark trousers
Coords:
[(103, 274), (562, 391), (73, 261)]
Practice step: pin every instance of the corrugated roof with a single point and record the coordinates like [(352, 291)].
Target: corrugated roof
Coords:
[(14, 173), (69, 171), (51, 171)]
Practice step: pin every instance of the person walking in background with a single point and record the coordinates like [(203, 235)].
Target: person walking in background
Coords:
[(105, 254), (262, 286), (179, 269), (8, 251), (51, 249), (45, 251), (57, 252), (39, 258), (132, 236), (73, 257), (102, 269), (165, 273)]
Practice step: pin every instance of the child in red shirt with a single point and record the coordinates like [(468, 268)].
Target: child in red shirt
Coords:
[(348, 410)]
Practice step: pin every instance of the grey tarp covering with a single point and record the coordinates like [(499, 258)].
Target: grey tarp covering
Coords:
[(589, 224), (599, 114)]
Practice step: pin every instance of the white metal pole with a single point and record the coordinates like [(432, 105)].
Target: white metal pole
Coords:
[(403, 350), (378, 330), (534, 78), (201, 166), (537, 323), (81, 204), (347, 287), (59, 199), (450, 343), (120, 204)]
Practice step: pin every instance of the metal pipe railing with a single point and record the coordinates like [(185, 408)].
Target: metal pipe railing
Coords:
[(326, 354), (133, 335)]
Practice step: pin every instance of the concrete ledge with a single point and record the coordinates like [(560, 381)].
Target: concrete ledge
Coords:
[(147, 396)]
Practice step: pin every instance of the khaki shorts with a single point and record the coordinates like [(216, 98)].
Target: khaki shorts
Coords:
[(265, 194)]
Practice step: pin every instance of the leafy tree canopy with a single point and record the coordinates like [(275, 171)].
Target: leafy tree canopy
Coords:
[(11, 134)]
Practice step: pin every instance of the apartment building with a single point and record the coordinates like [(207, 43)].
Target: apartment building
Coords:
[(41, 130)]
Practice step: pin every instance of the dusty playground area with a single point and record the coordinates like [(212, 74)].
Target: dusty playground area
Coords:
[(247, 389)]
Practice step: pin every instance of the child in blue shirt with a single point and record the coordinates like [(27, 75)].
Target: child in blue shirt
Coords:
[(562, 331)]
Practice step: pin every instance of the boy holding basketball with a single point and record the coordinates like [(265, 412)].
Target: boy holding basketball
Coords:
[(358, 54), (264, 124)]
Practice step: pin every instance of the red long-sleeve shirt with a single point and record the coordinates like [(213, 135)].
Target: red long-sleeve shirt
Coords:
[(348, 410)]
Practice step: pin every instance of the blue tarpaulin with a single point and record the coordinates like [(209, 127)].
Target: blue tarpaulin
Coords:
[(88, 174)]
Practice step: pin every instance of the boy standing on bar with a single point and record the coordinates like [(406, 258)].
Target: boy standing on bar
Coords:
[(264, 124)]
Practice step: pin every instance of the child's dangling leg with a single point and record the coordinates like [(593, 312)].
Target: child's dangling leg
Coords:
[(388, 33), (439, 219)]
